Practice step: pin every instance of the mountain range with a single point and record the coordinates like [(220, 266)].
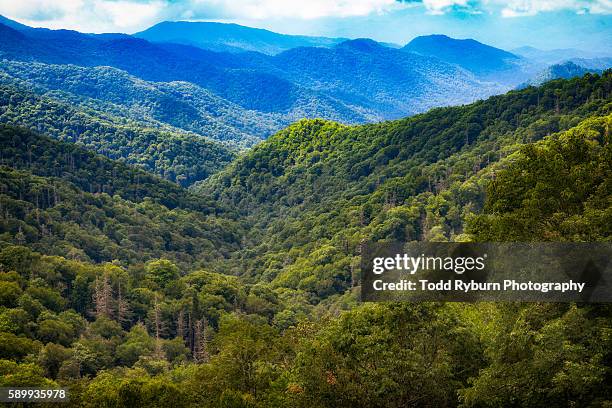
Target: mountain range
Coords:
[(156, 251), (235, 97), (230, 37), (288, 83)]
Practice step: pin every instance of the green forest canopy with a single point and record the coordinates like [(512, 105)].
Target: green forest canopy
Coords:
[(144, 294)]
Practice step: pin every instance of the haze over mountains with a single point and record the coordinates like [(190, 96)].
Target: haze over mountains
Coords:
[(554, 56), (237, 85), (567, 69), (230, 37), (486, 62)]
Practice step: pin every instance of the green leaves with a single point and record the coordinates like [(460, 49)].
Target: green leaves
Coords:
[(556, 189)]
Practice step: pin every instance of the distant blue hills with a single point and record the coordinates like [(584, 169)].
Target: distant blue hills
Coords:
[(557, 56), (230, 37), (483, 60), (565, 70), (353, 81), (218, 73)]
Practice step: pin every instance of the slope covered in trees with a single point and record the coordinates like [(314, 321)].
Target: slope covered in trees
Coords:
[(62, 199), (388, 82), (174, 105), (314, 191), (555, 190), (42, 156), (259, 309), (177, 156), (397, 82)]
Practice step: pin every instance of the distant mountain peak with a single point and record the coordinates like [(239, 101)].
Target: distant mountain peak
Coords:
[(361, 44), (8, 33), (459, 46), (483, 60), (230, 37), (564, 70), (12, 23)]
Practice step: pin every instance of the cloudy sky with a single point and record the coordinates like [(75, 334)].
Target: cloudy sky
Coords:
[(545, 24)]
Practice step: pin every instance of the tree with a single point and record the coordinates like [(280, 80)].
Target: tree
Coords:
[(137, 343), (9, 293), (200, 350), (51, 357), (103, 296), (161, 272), (244, 345)]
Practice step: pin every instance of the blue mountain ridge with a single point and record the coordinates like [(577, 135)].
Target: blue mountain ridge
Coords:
[(350, 81), (230, 37), (370, 81)]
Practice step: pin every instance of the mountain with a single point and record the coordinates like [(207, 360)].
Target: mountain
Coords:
[(128, 290), (230, 37), (286, 87), (249, 80), (318, 188), (600, 64), (550, 57), (46, 157), (176, 106), (177, 156), (12, 23), (484, 61), (564, 70), (390, 83)]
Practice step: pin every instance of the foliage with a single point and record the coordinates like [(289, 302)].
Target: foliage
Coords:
[(313, 192), (155, 296), (179, 157), (556, 189)]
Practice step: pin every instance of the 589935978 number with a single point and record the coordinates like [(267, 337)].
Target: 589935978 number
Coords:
[(8, 394)]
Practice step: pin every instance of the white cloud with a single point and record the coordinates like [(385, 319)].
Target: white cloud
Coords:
[(128, 14), (39, 9), (442, 6), (84, 15), (312, 9), (132, 15), (518, 8), (273, 9)]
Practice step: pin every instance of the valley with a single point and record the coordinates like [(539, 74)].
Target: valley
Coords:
[(181, 220)]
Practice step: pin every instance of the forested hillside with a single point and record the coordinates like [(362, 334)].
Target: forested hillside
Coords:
[(177, 156), (314, 191), (555, 190), (131, 291), (387, 82), (177, 106), (61, 199)]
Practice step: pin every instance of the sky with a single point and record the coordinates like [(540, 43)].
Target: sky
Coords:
[(545, 24)]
